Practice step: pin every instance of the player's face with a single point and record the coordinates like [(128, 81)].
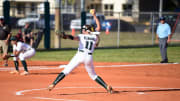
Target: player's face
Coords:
[(13, 42), (162, 21), (84, 31)]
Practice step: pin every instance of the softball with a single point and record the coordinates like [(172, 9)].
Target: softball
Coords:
[(91, 11)]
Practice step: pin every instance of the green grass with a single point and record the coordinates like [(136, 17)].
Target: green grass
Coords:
[(138, 55), (146, 55), (126, 39)]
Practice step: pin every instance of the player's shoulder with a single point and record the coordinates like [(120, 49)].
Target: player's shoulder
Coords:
[(19, 43)]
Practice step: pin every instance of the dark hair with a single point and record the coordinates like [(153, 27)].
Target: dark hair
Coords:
[(162, 18), (13, 38), (89, 28)]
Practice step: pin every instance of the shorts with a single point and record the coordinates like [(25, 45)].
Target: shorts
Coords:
[(4, 46)]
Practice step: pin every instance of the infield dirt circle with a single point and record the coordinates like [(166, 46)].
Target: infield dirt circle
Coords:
[(130, 81)]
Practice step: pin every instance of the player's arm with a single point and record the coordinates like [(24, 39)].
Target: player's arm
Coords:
[(15, 54), (8, 37), (24, 37), (98, 41), (64, 36), (169, 34), (93, 12), (157, 38)]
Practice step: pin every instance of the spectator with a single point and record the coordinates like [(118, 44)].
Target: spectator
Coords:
[(163, 36), (4, 38), (27, 34)]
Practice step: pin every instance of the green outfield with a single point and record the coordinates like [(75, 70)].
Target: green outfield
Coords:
[(111, 40), (145, 55), (138, 55)]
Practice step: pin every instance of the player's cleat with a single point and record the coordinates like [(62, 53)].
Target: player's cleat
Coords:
[(14, 72), (51, 86), (109, 89), (24, 73)]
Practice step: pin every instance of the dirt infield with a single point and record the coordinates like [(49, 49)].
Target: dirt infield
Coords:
[(131, 82)]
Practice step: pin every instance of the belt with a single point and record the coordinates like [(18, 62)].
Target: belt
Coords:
[(163, 38), (83, 51), (29, 49)]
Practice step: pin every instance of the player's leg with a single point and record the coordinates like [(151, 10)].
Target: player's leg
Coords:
[(91, 72), (16, 64), (23, 57), (75, 61), (5, 52), (163, 50)]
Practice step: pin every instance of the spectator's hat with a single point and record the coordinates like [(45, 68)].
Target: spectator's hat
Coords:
[(1, 18), (162, 18)]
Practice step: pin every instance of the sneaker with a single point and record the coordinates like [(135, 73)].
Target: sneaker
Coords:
[(51, 86), (24, 73), (14, 72), (164, 62), (109, 89)]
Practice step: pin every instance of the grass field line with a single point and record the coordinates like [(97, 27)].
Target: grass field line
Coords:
[(63, 66)]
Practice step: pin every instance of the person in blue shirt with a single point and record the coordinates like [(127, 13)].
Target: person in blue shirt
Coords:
[(163, 37)]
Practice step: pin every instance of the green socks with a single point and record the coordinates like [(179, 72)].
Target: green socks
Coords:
[(16, 64), (59, 78), (101, 82), (24, 65)]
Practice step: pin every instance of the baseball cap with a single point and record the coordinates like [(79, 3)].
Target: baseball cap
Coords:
[(13, 38), (162, 18), (1, 17)]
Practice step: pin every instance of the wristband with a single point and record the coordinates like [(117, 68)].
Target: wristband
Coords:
[(12, 55)]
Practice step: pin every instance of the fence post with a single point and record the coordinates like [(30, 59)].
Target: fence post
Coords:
[(152, 27), (47, 26), (83, 14), (58, 24), (6, 9), (118, 34)]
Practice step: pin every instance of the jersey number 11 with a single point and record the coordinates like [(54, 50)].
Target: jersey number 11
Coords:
[(89, 45)]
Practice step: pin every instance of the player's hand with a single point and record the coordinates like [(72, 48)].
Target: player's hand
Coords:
[(5, 57), (63, 35), (169, 40), (6, 41)]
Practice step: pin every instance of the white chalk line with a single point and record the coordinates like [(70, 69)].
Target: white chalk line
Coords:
[(46, 98), (20, 93), (63, 66)]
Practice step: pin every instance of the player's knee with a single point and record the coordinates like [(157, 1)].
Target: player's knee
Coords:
[(15, 58), (92, 76), (65, 72), (21, 58)]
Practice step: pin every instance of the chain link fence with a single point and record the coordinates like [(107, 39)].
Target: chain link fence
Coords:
[(118, 29)]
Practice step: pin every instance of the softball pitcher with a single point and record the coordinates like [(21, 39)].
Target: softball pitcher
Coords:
[(87, 42), (21, 51)]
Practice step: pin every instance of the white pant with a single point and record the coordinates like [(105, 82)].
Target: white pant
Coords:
[(25, 55), (86, 59)]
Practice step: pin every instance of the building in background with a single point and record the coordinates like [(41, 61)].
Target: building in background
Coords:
[(110, 8), (20, 8)]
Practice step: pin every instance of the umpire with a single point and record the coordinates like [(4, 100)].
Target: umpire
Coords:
[(4, 38), (163, 36)]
